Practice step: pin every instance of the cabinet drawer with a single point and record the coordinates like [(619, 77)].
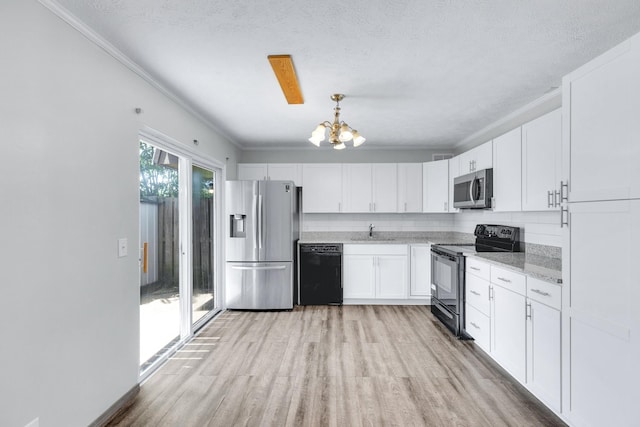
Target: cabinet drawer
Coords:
[(477, 325), (477, 293), (544, 292), (477, 268), (509, 279)]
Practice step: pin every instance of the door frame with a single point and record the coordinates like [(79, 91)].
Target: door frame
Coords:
[(189, 157)]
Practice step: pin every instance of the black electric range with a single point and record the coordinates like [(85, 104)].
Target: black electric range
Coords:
[(448, 271)]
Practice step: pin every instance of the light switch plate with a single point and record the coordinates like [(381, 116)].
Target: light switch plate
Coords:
[(123, 248)]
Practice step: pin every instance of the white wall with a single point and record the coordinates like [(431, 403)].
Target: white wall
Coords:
[(69, 189)]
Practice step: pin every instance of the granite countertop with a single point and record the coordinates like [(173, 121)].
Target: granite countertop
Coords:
[(541, 267), (541, 262), (387, 237)]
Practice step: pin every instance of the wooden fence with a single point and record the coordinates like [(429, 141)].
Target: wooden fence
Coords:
[(167, 250)]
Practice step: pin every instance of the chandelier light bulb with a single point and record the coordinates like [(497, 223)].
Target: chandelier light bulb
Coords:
[(358, 139), (345, 133), (339, 146)]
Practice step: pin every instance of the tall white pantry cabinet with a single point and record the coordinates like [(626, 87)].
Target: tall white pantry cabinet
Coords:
[(601, 216)]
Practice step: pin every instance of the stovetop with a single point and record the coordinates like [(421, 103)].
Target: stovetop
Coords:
[(489, 238)]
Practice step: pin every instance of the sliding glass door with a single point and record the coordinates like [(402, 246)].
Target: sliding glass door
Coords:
[(178, 248), (203, 204)]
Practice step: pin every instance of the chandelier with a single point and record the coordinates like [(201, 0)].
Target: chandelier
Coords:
[(339, 132)]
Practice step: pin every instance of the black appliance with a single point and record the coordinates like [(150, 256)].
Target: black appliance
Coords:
[(473, 190), (448, 267), (320, 274)]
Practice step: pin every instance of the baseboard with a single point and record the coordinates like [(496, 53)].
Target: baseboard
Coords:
[(121, 404)]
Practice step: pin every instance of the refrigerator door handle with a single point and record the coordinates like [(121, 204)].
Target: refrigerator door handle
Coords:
[(254, 209), (260, 221), (258, 267)]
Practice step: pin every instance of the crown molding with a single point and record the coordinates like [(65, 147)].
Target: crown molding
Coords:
[(109, 48)]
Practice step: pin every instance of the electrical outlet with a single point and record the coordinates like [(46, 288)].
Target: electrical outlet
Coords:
[(123, 247), (34, 423)]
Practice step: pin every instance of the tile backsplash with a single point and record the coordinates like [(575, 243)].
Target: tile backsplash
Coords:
[(541, 228)]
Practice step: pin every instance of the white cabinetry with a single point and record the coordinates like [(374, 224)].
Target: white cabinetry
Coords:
[(409, 187), (322, 187), (454, 171), (543, 341), (507, 170), (370, 187), (603, 100), (375, 271), (478, 158), (420, 271), (508, 321), (271, 171), (478, 304), (357, 187), (435, 186), (541, 162), (600, 318)]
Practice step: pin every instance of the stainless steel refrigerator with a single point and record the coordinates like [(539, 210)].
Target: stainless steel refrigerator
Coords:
[(262, 230)]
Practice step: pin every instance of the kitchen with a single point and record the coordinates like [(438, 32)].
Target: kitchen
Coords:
[(74, 318)]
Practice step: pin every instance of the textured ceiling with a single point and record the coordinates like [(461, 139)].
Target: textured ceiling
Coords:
[(415, 73)]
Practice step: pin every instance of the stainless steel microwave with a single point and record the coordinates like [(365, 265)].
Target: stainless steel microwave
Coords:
[(473, 190)]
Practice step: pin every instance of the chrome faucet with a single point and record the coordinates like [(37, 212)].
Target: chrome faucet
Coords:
[(371, 227)]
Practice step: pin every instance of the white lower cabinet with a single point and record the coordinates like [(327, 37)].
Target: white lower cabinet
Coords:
[(359, 276), (543, 353), (375, 271), (508, 331), (479, 327), (517, 320), (420, 271)]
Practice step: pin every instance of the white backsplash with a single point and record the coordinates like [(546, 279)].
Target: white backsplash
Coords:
[(382, 222), (542, 228)]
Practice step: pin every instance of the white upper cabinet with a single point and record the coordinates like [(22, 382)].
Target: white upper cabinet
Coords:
[(478, 158), (357, 187), (435, 197), (507, 170), (286, 172), (409, 187), (271, 171), (385, 187), (601, 103), (252, 171), (370, 187), (322, 187), (542, 162), (454, 171)]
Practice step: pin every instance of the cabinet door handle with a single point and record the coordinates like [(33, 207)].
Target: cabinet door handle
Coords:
[(562, 221), (475, 293), (550, 202), (445, 206), (538, 291), (405, 206), (339, 207), (474, 268), (504, 280), (557, 199), (528, 311), (490, 292), (474, 325), (564, 196)]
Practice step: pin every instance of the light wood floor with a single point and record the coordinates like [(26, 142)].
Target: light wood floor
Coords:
[(334, 366)]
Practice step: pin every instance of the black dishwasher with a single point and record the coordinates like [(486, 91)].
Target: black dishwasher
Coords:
[(320, 274)]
